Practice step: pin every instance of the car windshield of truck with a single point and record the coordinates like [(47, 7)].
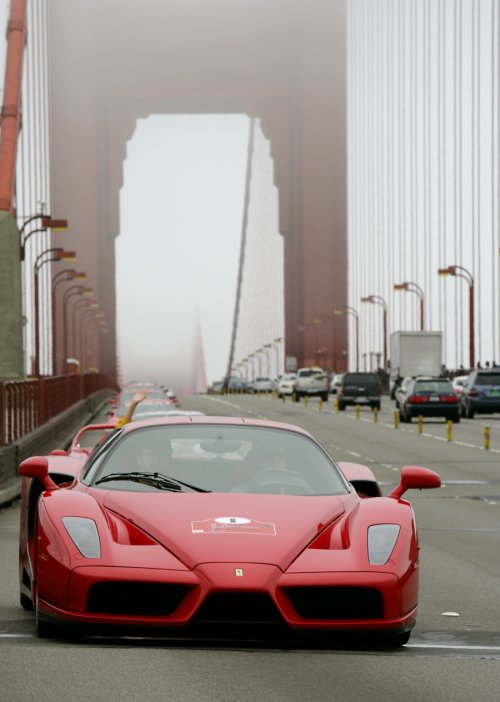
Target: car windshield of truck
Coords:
[(360, 378)]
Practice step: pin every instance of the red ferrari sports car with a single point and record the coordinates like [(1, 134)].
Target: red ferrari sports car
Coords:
[(211, 524)]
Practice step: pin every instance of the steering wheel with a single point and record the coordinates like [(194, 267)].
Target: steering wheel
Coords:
[(279, 481)]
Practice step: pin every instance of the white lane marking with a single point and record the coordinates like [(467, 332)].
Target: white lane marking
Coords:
[(224, 402), (369, 421), (453, 647), (441, 647)]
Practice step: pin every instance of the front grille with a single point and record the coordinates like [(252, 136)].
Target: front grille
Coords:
[(139, 599), (336, 602), (238, 608)]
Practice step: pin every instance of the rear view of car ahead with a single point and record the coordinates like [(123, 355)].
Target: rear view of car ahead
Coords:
[(359, 389), (429, 397), (285, 385), (481, 393), (263, 384), (311, 382)]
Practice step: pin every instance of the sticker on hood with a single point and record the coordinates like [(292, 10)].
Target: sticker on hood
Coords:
[(233, 525)]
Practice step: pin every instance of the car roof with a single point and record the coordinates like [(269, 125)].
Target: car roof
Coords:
[(207, 420)]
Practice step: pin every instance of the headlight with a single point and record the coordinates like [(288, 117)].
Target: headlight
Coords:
[(84, 534), (381, 541)]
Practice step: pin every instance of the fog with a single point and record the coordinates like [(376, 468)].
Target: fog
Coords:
[(181, 216)]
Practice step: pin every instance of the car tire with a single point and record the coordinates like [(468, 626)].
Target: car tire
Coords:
[(469, 412), (46, 630), (399, 639), (324, 397), (456, 418), (25, 602)]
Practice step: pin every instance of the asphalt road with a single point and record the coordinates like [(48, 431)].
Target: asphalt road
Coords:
[(454, 651)]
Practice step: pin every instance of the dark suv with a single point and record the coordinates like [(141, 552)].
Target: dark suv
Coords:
[(481, 393), (359, 389)]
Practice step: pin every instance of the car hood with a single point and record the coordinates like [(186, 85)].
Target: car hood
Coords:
[(208, 528)]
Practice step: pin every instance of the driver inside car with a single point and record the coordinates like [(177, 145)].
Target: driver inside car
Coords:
[(269, 470)]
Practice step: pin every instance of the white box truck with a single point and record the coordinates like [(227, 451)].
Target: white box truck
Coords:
[(414, 353)]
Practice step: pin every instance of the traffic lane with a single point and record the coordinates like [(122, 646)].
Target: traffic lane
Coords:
[(474, 524), (362, 440), (130, 673), (458, 524), (132, 670)]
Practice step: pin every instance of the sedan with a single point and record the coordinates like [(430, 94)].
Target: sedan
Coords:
[(285, 384), (262, 384), (210, 525), (429, 397), (481, 393)]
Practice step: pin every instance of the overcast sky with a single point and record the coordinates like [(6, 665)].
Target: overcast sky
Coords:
[(178, 251)]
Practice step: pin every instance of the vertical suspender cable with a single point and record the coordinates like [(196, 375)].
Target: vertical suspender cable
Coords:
[(494, 246), (244, 227)]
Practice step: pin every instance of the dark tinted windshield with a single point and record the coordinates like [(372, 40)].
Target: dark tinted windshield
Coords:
[(360, 378)]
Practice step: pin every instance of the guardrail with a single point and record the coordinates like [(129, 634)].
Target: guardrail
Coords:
[(27, 404)]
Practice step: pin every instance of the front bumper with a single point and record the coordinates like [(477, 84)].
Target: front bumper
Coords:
[(214, 595)]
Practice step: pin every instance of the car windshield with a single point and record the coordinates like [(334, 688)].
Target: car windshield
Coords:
[(90, 437), (442, 386), (360, 378), (220, 458)]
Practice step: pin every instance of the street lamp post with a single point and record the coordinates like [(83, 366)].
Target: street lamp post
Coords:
[(69, 293), (259, 360), (326, 318), (276, 343), (266, 348), (86, 318), (91, 307), (303, 328), (377, 300), (347, 309), (413, 287), (461, 272), (56, 254), (57, 225), (70, 274)]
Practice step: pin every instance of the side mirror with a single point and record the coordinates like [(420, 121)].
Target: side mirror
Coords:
[(37, 468), (415, 478)]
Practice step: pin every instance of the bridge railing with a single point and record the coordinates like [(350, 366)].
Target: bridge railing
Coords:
[(27, 404)]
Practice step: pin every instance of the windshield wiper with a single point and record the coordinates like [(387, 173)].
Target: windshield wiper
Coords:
[(164, 482)]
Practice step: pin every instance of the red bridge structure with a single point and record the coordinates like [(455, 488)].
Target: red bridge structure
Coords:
[(111, 63)]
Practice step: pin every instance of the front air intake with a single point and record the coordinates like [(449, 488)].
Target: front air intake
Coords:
[(238, 608), (334, 603), (136, 599)]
